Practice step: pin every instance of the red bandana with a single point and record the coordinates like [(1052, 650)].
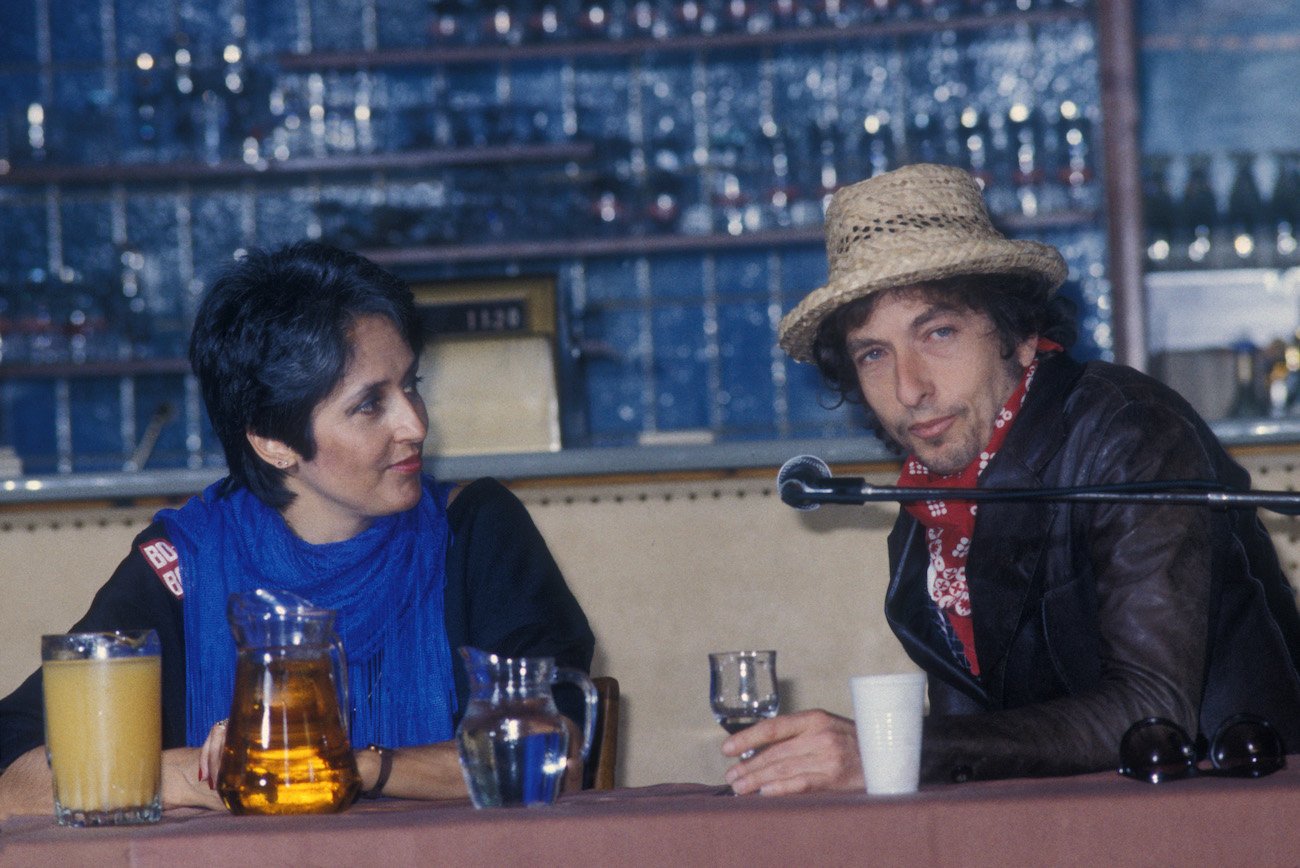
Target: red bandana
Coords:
[(950, 524)]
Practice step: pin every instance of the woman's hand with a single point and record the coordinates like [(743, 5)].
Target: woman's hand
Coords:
[(210, 754), (26, 786), (181, 786), (190, 774)]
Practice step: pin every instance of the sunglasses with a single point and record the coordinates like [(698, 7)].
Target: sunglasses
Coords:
[(1157, 750)]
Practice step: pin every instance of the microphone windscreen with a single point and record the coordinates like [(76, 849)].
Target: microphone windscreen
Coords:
[(806, 468), (802, 470)]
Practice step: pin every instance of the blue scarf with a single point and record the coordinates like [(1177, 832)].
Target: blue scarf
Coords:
[(386, 584)]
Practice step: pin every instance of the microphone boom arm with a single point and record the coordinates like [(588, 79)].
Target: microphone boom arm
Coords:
[(854, 490)]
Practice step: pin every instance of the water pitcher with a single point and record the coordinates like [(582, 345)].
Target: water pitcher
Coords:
[(287, 748), (512, 740)]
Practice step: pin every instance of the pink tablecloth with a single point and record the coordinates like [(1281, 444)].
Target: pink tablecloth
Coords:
[(1091, 820)]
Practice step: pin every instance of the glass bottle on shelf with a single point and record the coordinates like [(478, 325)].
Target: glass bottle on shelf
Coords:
[(788, 14), (875, 145), (645, 20), (1199, 213), (1276, 387), (1284, 210), (447, 24), (1246, 403), (146, 99), (1244, 217), (975, 145), (879, 10), (1291, 359), (833, 13), (1025, 133), (1075, 156), (1160, 213), (502, 25)]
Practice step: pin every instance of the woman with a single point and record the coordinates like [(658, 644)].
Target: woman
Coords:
[(307, 360)]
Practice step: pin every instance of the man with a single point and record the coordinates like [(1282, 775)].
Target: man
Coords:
[(1046, 629)]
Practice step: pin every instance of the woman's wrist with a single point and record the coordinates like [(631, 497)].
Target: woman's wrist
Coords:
[(374, 765)]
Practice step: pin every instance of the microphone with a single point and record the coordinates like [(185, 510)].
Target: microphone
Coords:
[(805, 482), (803, 477)]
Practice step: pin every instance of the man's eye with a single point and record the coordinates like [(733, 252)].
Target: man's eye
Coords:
[(869, 356), (413, 385)]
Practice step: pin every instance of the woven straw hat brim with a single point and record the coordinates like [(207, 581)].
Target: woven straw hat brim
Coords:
[(904, 267)]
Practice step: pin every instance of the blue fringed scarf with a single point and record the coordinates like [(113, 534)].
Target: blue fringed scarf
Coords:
[(386, 584)]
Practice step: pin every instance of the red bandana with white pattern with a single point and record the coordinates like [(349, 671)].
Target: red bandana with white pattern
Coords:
[(950, 524)]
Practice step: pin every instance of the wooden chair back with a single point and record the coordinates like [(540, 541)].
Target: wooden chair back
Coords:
[(603, 758)]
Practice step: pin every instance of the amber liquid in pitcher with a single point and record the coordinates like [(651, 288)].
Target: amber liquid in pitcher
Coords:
[(286, 751)]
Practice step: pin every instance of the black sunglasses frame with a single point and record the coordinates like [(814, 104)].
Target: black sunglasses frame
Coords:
[(1155, 749)]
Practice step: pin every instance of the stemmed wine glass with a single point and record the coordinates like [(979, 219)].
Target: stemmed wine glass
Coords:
[(742, 689)]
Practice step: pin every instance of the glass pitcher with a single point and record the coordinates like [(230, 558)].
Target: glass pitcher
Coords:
[(512, 741), (287, 748)]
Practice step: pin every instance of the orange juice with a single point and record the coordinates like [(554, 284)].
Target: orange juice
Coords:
[(103, 731)]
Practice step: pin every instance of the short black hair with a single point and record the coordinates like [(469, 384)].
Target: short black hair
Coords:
[(271, 340), (1017, 307)]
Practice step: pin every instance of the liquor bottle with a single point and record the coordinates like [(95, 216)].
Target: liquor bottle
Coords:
[(502, 26), (975, 145), (1291, 359), (147, 94), (1246, 403), (447, 25), (1284, 210), (695, 17), (879, 10), (832, 13), (1199, 213), (875, 145), (645, 21), (542, 22), (1024, 131), (1276, 387), (1075, 173), (1244, 217), (788, 14), (1160, 213)]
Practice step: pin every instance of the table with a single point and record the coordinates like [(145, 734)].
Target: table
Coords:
[(1090, 820)]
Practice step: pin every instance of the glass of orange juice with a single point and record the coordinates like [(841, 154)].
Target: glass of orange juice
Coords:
[(103, 726)]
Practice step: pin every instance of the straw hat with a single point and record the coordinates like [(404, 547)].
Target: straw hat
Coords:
[(913, 225)]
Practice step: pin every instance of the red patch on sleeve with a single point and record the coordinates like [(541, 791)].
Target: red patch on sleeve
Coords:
[(161, 556)]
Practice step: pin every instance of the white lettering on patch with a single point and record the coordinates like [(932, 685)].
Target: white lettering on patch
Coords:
[(162, 557)]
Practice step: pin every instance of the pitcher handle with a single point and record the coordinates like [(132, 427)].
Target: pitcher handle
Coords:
[(578, 677), (341, 683)]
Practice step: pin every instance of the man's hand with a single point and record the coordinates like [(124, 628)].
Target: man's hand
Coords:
[(797, 753)]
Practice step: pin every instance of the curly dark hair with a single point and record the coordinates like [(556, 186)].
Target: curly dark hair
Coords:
[(1016, 306), (272, 339)]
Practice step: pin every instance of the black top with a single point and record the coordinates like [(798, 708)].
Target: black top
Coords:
[(504, 594)]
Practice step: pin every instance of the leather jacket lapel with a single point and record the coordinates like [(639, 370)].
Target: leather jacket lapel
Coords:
[(1010, 538), (908, 612)]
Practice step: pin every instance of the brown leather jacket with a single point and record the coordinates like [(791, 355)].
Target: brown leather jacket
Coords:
[(1088, 617)]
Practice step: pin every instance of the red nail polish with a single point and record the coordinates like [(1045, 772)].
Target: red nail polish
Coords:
[(200, 772)]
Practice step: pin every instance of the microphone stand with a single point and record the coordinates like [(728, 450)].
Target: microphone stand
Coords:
[(802, 494)]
